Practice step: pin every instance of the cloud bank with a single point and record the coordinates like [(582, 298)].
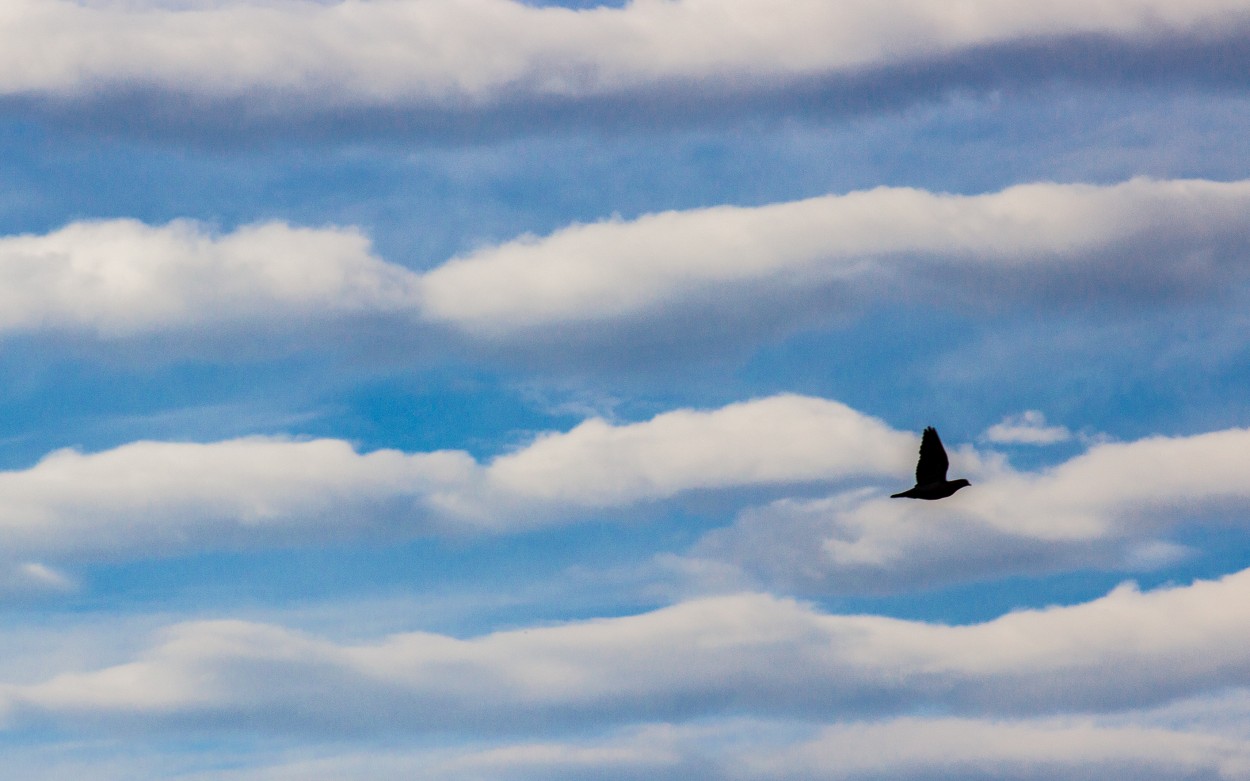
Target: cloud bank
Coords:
[(1116, 506), (1046, 241), (1037, 245), (153, 498), (742, 654), (456, 53)]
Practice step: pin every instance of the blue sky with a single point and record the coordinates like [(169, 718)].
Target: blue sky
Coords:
[(466, 389)]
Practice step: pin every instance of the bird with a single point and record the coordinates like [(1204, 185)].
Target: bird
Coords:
[(931, 482)]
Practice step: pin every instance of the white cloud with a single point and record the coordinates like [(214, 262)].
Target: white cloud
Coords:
[(474, 52), (1027, 245), (777, 440), (158, 497), (1109, 507), (1142, 234), (1027, 428), (119, 278), (745, 654)]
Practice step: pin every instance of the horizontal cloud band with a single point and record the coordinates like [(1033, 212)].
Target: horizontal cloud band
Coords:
[(1138, 231), (749, 653), (447, 53), (1113, 506), (123, 278), (155, 497)]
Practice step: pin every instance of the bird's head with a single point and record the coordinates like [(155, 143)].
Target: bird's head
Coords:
[(960, 483)]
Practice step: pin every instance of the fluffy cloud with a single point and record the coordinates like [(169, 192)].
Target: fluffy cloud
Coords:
[(778, 440), (120, 278), (1027, 428), (452, 53), (157, 497), (1109, 507), (745, 654), (154, 497), (1028, 244)]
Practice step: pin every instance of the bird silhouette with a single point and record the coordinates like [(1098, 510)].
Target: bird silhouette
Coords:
[(931, 482)]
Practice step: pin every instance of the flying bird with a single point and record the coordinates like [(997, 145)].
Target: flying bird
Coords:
[(931, 482)]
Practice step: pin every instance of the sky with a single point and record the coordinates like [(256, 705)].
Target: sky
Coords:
[(477, 389)]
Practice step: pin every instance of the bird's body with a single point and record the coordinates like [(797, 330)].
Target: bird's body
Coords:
[(931, 482)]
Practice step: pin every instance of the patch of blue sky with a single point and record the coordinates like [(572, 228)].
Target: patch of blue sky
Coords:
[(424, 201), (1125, 375)]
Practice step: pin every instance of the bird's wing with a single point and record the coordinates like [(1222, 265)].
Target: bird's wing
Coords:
[(933, 463)]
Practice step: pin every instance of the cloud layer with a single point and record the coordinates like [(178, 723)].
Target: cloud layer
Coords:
[(149, 498), (1029, 242), (748, 653), (1117, 506), (452, 53), (1033, 245)]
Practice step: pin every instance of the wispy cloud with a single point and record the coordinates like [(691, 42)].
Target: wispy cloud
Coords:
[(918, 749), (32, 580), (1027, 428), (742, 749)]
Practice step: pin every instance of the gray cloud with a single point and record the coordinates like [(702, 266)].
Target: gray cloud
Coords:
[(488, 68)]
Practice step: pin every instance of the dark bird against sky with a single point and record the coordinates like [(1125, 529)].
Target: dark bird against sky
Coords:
[(931, 482)]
